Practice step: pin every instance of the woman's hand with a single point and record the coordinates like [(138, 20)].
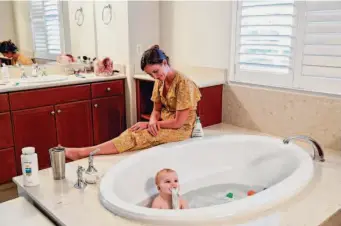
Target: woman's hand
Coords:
[(139, 126), (153, 128)]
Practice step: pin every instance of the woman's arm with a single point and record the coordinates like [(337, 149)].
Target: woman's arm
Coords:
[(177, 122), (156, 113)]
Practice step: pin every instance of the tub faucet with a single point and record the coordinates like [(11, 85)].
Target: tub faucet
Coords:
[(318, 151)]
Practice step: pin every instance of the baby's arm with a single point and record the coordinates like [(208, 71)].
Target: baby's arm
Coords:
[(157, 204), (183, 204)]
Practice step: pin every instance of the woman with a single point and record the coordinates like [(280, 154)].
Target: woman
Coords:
[(10, 50), (175, 100)]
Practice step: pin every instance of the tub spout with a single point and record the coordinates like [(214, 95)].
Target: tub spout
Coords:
[(318, 151)]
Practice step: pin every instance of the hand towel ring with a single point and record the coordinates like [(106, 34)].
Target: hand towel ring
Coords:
[(110, 13), (79, 14)]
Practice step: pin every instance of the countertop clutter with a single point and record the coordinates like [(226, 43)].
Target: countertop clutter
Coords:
[(67, 205), (53, 81)]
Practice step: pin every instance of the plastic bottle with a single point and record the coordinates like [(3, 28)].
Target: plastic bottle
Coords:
[(5, 73), (29, 165), (197, 131)]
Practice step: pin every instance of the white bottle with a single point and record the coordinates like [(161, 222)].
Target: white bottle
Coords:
[(197, 131), (5, 73), (29, 165)]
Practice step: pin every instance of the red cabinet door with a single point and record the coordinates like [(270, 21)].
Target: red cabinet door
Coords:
[(35, 127), (6, 137), (108, 118), (7, 163), (74, 125)]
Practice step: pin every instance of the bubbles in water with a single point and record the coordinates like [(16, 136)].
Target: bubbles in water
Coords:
[(216, 194)]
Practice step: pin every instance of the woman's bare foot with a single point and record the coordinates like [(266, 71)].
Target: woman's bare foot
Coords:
[(73, 153)]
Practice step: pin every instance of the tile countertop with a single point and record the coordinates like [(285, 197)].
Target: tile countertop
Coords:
[(69, 206), (16, 85), (202, 81)]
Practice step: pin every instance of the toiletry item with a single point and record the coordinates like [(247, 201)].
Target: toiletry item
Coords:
[(29, 165), (229, 195), (175, 199), (197, 130), (251, 192), (34, 70), (57, 158), (91, 174), (5, 73)]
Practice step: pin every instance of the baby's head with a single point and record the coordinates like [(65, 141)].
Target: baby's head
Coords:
[(165, 180)]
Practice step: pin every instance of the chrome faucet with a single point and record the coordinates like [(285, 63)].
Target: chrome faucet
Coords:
[(80, 184), (318, 151), (91, 168)]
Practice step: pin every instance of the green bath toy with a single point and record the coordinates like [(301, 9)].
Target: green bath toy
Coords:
[(229, 195)]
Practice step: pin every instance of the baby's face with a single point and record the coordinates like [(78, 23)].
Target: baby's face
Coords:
[(168, 181)]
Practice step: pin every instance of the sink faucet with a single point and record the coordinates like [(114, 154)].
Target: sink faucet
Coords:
[(80, 184), (318, 151)]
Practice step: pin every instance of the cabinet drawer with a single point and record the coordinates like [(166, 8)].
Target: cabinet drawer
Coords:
[(6, 137), (7, 164), (48, 96), (4, 106), (105, 89)]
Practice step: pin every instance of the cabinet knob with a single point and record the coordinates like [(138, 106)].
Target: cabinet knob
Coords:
[(96, 105), (52, 112), (58, 111), (108, 89)]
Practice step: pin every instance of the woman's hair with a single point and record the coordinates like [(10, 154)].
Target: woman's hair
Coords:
[(8, 46), (153, 55)]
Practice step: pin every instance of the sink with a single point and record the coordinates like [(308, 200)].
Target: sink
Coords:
[(44, 79)]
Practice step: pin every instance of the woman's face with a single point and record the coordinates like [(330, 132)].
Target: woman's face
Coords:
[(8, 54), (158, 71)]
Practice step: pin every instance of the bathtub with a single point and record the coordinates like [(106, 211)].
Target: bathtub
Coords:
[(259, 162)]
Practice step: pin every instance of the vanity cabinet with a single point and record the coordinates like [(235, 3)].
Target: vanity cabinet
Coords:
[(72, 116), (7, 157), (108, 118), (209, 107)]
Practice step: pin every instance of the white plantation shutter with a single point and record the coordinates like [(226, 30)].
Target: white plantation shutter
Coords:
[(321, 47), (264, 42), (46, 28)]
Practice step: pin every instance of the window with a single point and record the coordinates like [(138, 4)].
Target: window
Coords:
[(46, 28), (291, 44)]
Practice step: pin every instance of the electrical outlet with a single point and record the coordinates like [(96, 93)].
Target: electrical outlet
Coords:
[(139, 49)]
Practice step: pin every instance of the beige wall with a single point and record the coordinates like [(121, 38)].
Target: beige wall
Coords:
[(284, 113), (23, 27), (7, 25), (196, 33)]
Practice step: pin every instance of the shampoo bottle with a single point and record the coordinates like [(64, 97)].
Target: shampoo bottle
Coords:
[(197, 131), (29, 164)]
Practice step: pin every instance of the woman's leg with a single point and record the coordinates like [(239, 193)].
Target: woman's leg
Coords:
[(106, 148)]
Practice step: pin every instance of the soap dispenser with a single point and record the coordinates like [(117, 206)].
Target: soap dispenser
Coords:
[(197, 130)]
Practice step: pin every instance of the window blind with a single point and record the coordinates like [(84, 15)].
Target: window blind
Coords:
[(265, 35), (45, 21), (322, 40)]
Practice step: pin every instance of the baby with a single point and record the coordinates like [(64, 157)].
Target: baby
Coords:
[(165, 180)]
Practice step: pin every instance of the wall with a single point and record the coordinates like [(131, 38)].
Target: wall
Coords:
[(23, 27), (284, 113), (112, 39), (7, 26), (82, 37), (196, 33)]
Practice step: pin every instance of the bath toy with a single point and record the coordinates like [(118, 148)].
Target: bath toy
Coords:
[(229, 195), (251, 192)]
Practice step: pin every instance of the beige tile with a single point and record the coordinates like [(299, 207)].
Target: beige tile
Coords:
[(284, 113)]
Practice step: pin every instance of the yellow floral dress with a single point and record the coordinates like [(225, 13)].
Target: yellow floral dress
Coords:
[(182, 94), (23, 60)]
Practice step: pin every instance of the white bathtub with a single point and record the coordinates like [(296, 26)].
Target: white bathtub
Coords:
[(284, 169)]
